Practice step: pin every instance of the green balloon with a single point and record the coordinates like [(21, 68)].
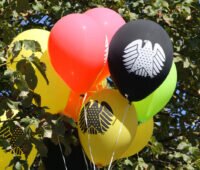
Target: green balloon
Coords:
[(152, 104)]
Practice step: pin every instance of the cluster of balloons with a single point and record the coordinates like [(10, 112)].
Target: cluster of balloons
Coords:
[(140, 61), (80, 52)]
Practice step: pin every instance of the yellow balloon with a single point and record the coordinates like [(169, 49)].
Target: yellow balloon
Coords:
[(110, 128), (6, 157), (55, 94), (142, 137)]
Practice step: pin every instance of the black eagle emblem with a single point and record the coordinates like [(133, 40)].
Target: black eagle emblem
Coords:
[(99, 116), (11, 136)]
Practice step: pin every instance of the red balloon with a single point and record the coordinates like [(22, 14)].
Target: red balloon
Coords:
[(75, 101), (76, 48), (73, 107), (110, 22), (74, 104)]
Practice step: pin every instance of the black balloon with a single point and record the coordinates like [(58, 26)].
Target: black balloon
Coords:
[(140, 57)]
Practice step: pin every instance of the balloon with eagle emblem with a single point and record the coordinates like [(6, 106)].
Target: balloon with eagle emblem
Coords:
[(12, 134), (99, 117), (107, 124), (140, 57)]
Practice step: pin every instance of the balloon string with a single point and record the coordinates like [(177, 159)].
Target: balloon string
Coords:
[(105, 58), (88, 135), (63, 157), (119, 133), (85, 159)]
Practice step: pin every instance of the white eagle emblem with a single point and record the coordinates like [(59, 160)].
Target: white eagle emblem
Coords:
[(144, 61)]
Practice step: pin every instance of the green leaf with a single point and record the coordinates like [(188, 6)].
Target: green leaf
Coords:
[(26, 102), (27, 69), (187, 9), (133, 16), (68, 5), (8, 73), (135, 4), (59, 128), (18, 166), (141, 164), (178, 58), (14, 161), (56, 8), (3, 106), (15, 50), (128, 162), (2, 2), (9, 114), (183, 145), (13, 104), (167, 19), (18, 80), (38, 6), (177, 155), (32, 45), (197, 163), (70, 121), (22, 5), (189, 167), (37, 99), (41, 147), (23, 94), (4, 143), (21, 84), (149, 11), (27, 147), (40, 66), (15, 14), (2, 57), (20, 140), (194, 151), (26, 121), (25, 165), (47, 133), (68, 149), (156, 146), (121, 11), (165, 4), (186, 63), (186, 158), (64, 142)]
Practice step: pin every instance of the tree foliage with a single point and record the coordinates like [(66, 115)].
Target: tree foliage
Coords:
[(176, 139)]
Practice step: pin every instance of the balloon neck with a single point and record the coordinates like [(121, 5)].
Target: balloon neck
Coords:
[(127, 97)]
